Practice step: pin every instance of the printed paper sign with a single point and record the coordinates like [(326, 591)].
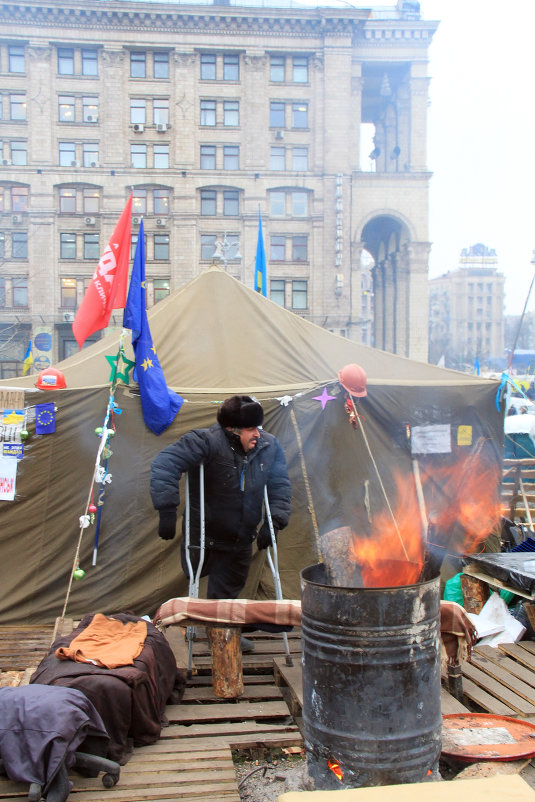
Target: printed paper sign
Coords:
[(12, 450), (435, 439), (8, 475), (464, 435)]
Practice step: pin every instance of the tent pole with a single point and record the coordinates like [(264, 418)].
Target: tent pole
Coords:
[(307, 485)]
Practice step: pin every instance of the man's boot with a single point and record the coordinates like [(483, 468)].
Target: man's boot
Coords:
[(246, 645)]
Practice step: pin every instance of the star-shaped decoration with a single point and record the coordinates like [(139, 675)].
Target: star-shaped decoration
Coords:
[(324, 398), (116, 374), (147, 363)]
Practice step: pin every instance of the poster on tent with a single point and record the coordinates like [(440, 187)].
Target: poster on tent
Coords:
[(8, 477)]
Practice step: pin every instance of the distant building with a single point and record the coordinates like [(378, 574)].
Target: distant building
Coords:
[(466, 310)]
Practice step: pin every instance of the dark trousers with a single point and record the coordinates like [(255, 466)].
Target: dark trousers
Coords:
[(226, 569)]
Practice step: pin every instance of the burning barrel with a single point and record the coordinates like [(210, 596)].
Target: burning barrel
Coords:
[(371, 682)]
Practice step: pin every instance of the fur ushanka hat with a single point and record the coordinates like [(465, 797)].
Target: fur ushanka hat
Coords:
[(240, 412)]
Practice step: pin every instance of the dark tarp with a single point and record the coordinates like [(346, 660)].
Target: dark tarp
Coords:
[(215, 337)]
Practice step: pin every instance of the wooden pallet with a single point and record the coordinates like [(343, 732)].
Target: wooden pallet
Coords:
[(193, 759)]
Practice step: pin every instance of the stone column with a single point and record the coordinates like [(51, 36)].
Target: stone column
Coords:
[(418, 300), (40, 112), (389, 305), (419, 85)]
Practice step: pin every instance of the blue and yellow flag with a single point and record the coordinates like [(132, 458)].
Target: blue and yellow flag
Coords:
[(28, 359), (158, 403), (260, 281)]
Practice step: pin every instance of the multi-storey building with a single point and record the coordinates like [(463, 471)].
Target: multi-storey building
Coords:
[(210, 113), (466, 310)]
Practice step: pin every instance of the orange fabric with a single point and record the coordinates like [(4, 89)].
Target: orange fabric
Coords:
[(106, 642)]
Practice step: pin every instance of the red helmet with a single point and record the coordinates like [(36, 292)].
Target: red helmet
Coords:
[(353, 379), (51, 379)]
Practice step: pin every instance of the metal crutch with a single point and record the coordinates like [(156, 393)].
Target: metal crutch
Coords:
[(274, 565), (194, 578)]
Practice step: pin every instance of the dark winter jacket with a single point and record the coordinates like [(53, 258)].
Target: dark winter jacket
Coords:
[(233, 482)]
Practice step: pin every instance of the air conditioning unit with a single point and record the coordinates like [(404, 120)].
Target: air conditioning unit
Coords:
[(91, 118), (17, 218), (90, 221), (138, 128), (136, 221), (94, 164), (161, 221), (68, 317), (75, 164), (279, 134), (6, 162), (161, 127)]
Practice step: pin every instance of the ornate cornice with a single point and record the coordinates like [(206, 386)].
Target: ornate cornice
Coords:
[(396, 33)]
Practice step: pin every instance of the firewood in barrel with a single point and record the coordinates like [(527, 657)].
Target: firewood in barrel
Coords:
[(335, 548)]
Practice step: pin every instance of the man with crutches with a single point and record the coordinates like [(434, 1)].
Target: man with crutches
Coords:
[(240, 460)]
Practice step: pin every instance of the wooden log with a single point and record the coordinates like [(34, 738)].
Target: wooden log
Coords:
[(475, 593), (227, 672)]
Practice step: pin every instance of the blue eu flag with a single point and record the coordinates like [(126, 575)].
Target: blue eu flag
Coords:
[(158, 403), (260, 262)]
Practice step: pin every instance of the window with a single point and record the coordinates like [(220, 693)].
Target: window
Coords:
[(299, 294), (2, 256), (161, 247), (68, 293), (300, 159), (90, 201), (208, 112), (19, 199), (67, 154), (208, 66), (90, 154), (89, 62), (67, 246), (90, 109), (66, 61), (138, 64), (91, 247), (231, 157), (16, 61), (231, 112), (208, 157), (300, 69), (2, 279), (161, 201), (161, 289), (17, 107), (276, 68), (133, 243), (231, 200), (231, 67), (139, 201), (276, 114), (277, 249), (208, 245), (20, 291), (299, 204), (299, 115), (138, 154), (66, 108), (161, 65), (138, 111), (161, 111), (277, 158), (299, 249), (292, 202), (67, 201), (208, 202), (277, 203), (277, 291), (161, 157), (19, 245), (19, 153)]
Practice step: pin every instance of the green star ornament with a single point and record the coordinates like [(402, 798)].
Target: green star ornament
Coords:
[(128, 366)]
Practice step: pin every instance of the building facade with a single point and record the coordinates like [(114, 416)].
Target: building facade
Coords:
[(466, 311), (210, 114)]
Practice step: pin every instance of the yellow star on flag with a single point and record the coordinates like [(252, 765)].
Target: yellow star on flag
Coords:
[(147, 364)]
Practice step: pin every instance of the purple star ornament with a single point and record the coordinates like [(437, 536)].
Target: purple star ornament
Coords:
[(324, 398)]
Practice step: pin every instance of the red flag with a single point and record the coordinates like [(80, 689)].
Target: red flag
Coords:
[(107, 290)]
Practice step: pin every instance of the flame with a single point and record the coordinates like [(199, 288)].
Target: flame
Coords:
[(335, 768), (395, 554)]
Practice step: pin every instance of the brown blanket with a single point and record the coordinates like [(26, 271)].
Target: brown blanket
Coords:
[(228, 611)]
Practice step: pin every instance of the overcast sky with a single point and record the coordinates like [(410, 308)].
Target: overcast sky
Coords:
[(481, 136)]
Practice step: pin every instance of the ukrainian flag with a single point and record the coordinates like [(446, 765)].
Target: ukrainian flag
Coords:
[(28, 359)]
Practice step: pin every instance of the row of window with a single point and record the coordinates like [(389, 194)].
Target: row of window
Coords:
[(147, 64), (14, 246), (227, 157), (289, 293), (13, 106)]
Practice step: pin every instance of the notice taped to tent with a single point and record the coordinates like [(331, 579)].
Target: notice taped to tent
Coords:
[(8, 476), (434, 439)]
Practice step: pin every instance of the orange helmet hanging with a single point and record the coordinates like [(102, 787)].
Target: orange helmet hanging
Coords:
[(353, 379), (51, 379)]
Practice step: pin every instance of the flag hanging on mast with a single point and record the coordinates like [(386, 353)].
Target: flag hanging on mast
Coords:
[(28, 359), (107, 290), (260, 262), (158, 403)]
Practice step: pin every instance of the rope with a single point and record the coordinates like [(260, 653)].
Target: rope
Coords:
[(307, 485)]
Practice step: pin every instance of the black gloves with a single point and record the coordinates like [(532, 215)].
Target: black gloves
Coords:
[(167, 525), (263, 539)]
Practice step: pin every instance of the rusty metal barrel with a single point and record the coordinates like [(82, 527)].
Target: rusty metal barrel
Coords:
[(371, 682)]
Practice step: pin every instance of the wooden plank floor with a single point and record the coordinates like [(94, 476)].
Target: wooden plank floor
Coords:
[(193, 759), (501, 680)]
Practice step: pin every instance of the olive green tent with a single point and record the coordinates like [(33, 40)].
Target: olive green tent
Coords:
[(214, 338)]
